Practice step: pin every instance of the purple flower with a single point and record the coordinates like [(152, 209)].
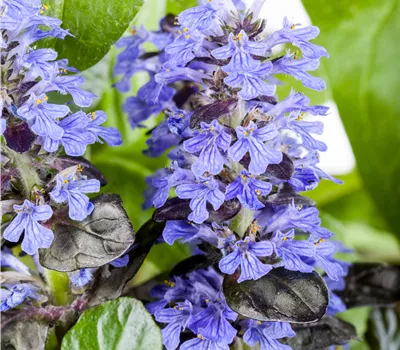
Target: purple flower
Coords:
[(292, 217), (75, 137), (267, 334), (17, 294), (199, 17), (36, 236), (209, 142), (246, 255), (71, 189), (110, 135), (304, 179), (167, 179), (240, 49), (212, 322), (3, 126), (295, 102), (8, 259), (187, 232), (161, 139), (297, 37), (297, 68), (180, 73), (151, 98), (251, 139), (291, 251), (177, 319), (246, 72), (37, 64), (185, 47), (324, 259), (201, 343), (246, 188), (42, 116), (81, 278), (205, 190)]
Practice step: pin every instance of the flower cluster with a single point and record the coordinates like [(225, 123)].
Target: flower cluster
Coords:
[(235, 145), (39, 175), (200, 306)]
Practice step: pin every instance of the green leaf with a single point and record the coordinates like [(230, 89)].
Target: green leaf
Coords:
[(175, 7), (362, 39), (96, 25), (121, 324)]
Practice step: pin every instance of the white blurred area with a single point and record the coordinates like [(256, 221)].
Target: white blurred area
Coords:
[(339, 158)]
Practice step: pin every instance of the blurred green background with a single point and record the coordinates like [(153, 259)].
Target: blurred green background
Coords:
[(361, 37)]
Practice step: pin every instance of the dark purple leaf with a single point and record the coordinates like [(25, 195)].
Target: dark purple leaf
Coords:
[(326, 332), (19, 137), (178, 209), (285, 196), (281, 295), (184, 94), (110, 282), (284, 170), (210, 112), (371, 284), (89, 170), (102, 237)]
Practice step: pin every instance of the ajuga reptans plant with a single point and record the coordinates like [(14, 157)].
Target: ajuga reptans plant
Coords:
[(239, 158), (44, 178)]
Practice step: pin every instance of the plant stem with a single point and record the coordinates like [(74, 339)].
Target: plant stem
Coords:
[(242, 221), (58, 282)]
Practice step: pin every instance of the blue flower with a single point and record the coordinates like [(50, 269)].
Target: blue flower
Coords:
[(336, 304), (122, 261), (37, 64), (168, 178), (75, 137), (240, 49), (8, 259), (180, 74), (205, 190), (70, 189), (304, 129), (36, 236), (267, 334), (185, 47), (304, 179), (245, 255), (212, 322), (42, 116), (297, 68), (81, 278), (304, 219), (251, 139), (324, 259), (291, 251), (201, 343), (70, 85), (110, 135), (187, 232), (17, 294), (209, 142), (3, 126), (177, 319), (298, 37), (246, 188), (246, 72), (295, 102), (151, 98), (178, 121), (199, 17), (161, 139)]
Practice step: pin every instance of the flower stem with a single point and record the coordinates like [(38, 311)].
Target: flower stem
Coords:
[(58, 282), (242, 221), (28, 174)]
